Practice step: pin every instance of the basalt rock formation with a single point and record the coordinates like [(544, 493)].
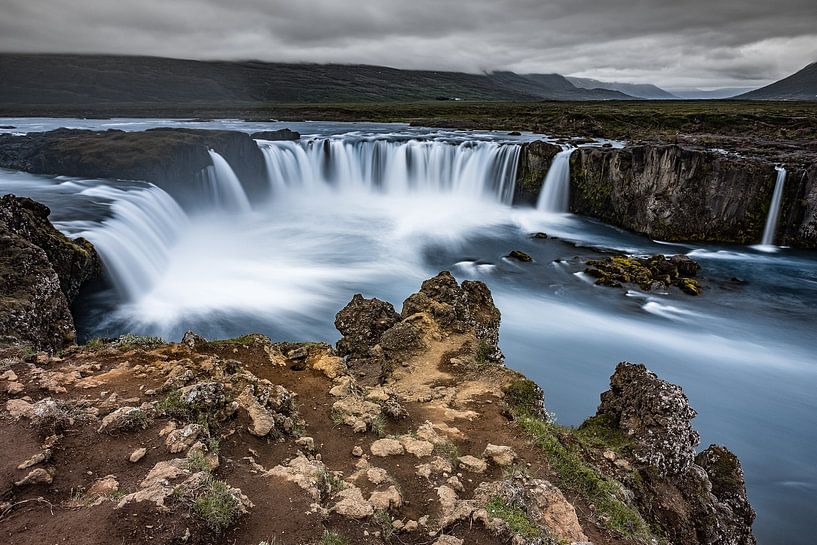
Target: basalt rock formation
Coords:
[(646, 272), (534, 161), (41, 272), (171, 158), (669, 192), (696, 499)]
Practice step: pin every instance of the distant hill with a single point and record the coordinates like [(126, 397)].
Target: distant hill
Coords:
[(712, 94), (638, 90), (94, 79), (801, 85)]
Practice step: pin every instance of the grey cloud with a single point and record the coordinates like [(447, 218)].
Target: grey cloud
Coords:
[(671, 43)]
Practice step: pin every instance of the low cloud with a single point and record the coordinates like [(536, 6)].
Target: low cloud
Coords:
[(670, 43)]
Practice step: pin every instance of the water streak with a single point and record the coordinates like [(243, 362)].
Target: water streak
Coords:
[(774, 209), (224, 186), (555, 194)]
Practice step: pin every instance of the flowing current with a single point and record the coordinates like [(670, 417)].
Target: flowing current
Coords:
[(376, 210), (774, 209), (555, 194)]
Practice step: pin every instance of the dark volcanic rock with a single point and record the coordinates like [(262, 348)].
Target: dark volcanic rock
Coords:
[(655, 414), (646, 272), (534, 161), (172, 158), (673, 193), (41, 271), (519, 255), (797, 225), (362, 322), (458, 308), (280, 134), (693, 499)]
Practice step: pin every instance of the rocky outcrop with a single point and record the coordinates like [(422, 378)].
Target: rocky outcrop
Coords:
[(534, 162), (694, 499), (798, 215), (669, 192), (41, 271), (280, 134), (651, 272), (171, 158)]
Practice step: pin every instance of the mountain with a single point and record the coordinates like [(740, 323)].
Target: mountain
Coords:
[(638, 90), (48, 79), (713, 94), (801, 85)]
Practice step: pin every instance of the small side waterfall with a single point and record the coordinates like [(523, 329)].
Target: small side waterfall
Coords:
[(555, 194), (477, 169), (224, 186), (774, 209)]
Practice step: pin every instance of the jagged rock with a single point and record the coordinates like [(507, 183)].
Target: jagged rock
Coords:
[(36, 476), (357, 451), (472, 464), (165, 471), (98, 491), (386, 499), (650, 272), (41, 271), (386, 447), (499, 454), (18, 408), (182, 439), (352, 504), (458, 308), (50, 414), (206, 397), (193, 341), (377, 475), (362, 322), (14, 388), (655, 414), (137, 454)]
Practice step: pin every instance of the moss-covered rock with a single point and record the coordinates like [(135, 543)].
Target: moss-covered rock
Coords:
[(647, 273)]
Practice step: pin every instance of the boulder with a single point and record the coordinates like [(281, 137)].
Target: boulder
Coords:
[(655, 414)]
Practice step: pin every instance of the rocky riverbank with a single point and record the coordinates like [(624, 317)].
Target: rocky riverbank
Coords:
[(409, 430)]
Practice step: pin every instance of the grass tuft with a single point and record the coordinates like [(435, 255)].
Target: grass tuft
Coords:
[(518, 520), (216, 506)]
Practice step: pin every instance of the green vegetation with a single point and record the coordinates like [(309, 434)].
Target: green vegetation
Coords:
[(215, 505), (174, 406), (378, 425), (332, 538), (137, 419), (330, 483), (602, 432), (575, 475), (243, 339), (130, 341), (523, 396), (483, 355), (196, 461), (517, 519)]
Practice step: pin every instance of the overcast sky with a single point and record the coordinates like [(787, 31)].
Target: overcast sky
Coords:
[(680, 43)]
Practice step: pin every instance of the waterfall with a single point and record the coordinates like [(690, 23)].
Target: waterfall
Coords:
[(135, 242), (476, 169), (774, 208), (555, 194), (224, 186)]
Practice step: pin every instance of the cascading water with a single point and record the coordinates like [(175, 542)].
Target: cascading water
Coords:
[(479, 169), (555, 194), (774, 209), (224, 186), (135, 242)]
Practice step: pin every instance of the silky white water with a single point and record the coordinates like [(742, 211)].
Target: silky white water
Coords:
[(774, 209), (555, 194)]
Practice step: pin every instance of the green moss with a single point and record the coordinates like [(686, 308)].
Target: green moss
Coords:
[(243, 339), (448, 449), (602, 431), (523, 396), (690, 286), (173, 405), (583, 479), (518, 520), (483, 355)]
